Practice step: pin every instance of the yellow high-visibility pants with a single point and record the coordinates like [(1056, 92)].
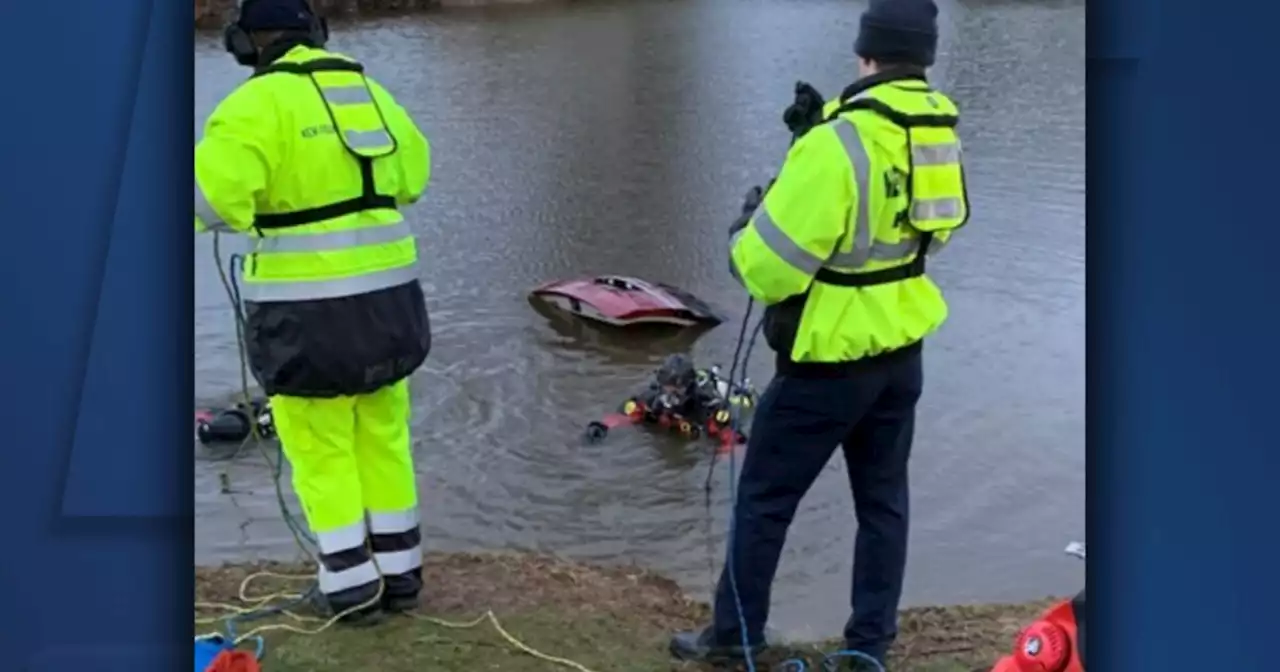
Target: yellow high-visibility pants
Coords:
[(353, 471)]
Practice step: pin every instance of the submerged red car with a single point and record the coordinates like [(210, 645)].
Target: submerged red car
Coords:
[(623, 301), (1055, 642)]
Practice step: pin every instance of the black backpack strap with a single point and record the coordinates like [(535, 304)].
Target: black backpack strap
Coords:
[(369, 199), (903, 120), (309, 67)]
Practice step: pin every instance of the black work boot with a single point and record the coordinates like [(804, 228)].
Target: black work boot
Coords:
[(399, 604), (363, 618), (703, 647), (359, 618)]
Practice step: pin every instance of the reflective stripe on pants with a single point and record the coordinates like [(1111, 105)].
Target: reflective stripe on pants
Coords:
[(315, 436), (347, 574), (396, 539), (390, 487)]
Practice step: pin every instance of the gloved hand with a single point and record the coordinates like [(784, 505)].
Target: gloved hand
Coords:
[(751, 201), (595, 431), (805, 112)]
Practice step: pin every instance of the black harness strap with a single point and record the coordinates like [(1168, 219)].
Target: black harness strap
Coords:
[(369, 198), (915, 268), (912, 269), (903, 120), (317, 65)]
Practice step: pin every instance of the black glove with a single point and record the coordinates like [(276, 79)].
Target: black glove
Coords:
[(595, 432), (750, 202), (805, 112)]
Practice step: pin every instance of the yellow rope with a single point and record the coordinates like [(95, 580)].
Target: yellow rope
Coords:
[(256, 603), (493, 619)]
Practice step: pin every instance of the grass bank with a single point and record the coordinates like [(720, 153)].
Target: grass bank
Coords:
[(607, 619)]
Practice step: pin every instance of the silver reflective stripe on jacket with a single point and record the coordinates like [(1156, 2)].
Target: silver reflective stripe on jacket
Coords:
[(733, 240), (851, 140), (303, 290), (932, 209), (938, 154), (865, 249), (367, 139), (208, 216), (928, 209), (347, 94), (357, 94), (334, 240), (777, 240)]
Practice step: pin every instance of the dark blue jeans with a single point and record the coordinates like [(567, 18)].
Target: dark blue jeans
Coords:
[(797, 426)]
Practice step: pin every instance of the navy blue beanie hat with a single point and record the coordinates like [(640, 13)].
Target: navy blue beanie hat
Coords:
[(899, 31), (264, 15)]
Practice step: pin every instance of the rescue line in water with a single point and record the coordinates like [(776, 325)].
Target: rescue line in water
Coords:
[(624, 301)]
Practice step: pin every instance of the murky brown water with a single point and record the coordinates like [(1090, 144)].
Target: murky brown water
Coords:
[(619, 137)]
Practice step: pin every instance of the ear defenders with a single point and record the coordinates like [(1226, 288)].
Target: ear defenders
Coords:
[(238, 43)]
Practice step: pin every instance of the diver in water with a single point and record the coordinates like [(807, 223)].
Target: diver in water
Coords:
[(683, 397)]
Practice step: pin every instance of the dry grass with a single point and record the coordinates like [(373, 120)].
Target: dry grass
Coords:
[(607, 619)]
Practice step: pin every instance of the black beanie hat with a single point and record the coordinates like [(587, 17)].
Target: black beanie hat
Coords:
[(264, 15), (899, 31)]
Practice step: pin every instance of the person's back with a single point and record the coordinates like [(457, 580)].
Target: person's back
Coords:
[(312, 159), (303, 141)]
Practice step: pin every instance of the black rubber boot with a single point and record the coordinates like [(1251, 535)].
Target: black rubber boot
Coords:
[(399, 604), (363, 618), (360, 618), (702, 647)]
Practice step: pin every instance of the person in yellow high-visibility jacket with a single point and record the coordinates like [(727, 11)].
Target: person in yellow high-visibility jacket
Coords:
[(313, 159), (836, 250)]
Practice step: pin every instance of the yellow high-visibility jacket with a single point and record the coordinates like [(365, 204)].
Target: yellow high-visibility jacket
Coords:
[(837, 248), (313, 159)]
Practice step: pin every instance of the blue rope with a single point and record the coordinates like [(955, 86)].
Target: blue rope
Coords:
[(231, 285), (796, 664), (733, 479), (829, 663), (259, 651)]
